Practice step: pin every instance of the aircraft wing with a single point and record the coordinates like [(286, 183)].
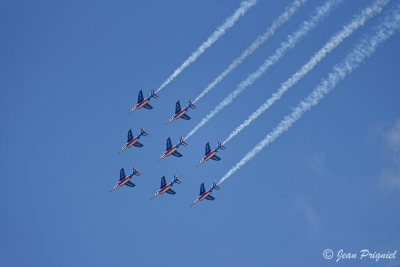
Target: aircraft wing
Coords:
[(209, 197), (122, 174), (170, 191), (208, 149), (140, 97), (130, 136), (177, 154), (147, 106), (202, 189), (163, 183), (177, 107), (215, 157), (185, 117), (169, 144), (137, 144), (130, 184)]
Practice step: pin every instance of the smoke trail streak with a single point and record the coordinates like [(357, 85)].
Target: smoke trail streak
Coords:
[(334, 41), (364, 49), (291, 41), (229, 22), (285, 16)]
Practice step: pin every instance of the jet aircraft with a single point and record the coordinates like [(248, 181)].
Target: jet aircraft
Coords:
[(133, 141), (211, 154), (172, 150), (206, 194), (125, 180), (166, 188), (181, 113), (144, 102)]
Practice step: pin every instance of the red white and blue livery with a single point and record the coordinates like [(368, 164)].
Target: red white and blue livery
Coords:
[(133, 141), (172, 150), (206, 194), (125, 180), (166, 188), (144, 102), (210, 154), (181, 113)]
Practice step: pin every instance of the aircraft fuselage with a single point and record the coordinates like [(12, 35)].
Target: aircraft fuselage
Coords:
[(203, 196), (122, 182), (169, 152), (163, 190), (144, 102)]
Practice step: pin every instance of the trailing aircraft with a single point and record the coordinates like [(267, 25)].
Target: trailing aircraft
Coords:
[(181, 113), (125, 180), (172, 150), (206, 194), (166, 188), (210, 154), (133, 141)]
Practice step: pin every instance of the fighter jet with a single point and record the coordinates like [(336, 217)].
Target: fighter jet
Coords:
[(172, 150), (181, 113), (133, 141), (166, 188), (211, 154), (124, 180), (206, 194), (144, 102)]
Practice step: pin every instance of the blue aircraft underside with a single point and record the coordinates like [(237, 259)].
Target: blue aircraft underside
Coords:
[(169, 144), (170, 191), (202, 189), (210, 197), (177, 107), (130, 136), (163, 183), (122, 174), (185, 117), (147, 106), (177, 154), (130, 184), (215, 157), (140, 96), (208, 149), (137, 144)]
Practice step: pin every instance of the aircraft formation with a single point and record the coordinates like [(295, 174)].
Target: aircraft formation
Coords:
[(170, 150), (364, 48)]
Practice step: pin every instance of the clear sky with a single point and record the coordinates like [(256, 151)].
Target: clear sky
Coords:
[(70, 72)]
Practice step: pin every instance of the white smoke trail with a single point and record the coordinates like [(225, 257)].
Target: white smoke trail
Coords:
[(334, 41), (291, 41), (229, 22), (363, 50), (285, 16)]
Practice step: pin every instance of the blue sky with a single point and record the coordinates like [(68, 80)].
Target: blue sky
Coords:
[(70, 73)]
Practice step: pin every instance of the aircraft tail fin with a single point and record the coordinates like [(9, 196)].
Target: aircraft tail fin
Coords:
[(153, 94), (216, 186), (183, 142), (191, 104), (221, 146), (135, 172), (142, 132), (176, 180)]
